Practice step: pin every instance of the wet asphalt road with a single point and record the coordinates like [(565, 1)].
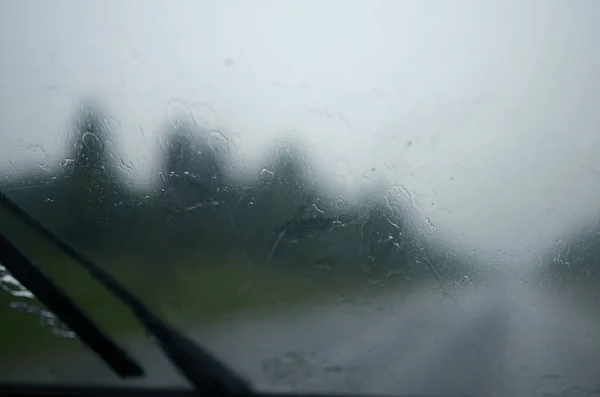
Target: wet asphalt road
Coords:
[(503, 340)]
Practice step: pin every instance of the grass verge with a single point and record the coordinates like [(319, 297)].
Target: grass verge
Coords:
[(189, 295), (183, 291)]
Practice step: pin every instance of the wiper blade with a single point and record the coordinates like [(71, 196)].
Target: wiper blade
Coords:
[(59, 303), (204, 371)]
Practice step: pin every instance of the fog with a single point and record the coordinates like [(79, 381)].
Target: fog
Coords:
[(485, 112)]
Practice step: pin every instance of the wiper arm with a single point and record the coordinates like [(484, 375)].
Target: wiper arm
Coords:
[(59, 303), (204, 371)]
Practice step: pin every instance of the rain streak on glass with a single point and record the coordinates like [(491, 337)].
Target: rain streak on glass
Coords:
[(403, 148)]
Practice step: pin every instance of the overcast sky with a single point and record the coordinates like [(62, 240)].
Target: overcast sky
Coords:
[(484, 113)]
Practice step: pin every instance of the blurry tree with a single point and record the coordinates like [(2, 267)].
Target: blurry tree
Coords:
[(284, 216), (195, 198), (280, 197), (574, 260), (96, 201)]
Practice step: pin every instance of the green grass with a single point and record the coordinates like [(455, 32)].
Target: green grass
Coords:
[(210, 293), (181, 290), (195, 296)]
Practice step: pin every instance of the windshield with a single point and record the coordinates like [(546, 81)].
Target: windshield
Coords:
[(371, 197)]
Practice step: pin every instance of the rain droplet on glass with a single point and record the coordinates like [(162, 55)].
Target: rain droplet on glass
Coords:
[(266, 175), (92, 142)]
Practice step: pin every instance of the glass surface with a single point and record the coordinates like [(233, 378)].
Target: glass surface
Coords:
[(377, 197)]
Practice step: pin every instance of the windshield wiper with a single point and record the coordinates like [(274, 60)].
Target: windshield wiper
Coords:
[(59, 303), (204, 371)]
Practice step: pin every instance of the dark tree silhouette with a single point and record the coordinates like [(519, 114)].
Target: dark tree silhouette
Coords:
[(284, 216), (91, 151), (92, 189), (195, 195), (283, 190), (573, 263)]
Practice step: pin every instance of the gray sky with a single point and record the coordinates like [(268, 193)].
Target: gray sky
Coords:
[(483, 113)]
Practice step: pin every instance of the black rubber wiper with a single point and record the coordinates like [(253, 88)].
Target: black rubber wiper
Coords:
[(204, 371), (59, 303)]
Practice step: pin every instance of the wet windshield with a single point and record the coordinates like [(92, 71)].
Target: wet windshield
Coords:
[(367, 197)]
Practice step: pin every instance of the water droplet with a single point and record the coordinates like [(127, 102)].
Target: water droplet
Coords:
[(126, 166), (393, 224), (44, 167), (405, 192), (340, 204), (47, 318), (218, 141), (266, 175), (162, 178), (206, 115), (69, 166), (92, 142), (179, 113), (317, 209)]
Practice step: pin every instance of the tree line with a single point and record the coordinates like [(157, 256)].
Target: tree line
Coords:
[(284, 217), (574, 261)]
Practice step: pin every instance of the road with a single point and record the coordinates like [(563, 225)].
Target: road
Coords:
[(503, 340)]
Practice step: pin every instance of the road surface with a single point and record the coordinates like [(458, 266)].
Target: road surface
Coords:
[(504, 340)]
